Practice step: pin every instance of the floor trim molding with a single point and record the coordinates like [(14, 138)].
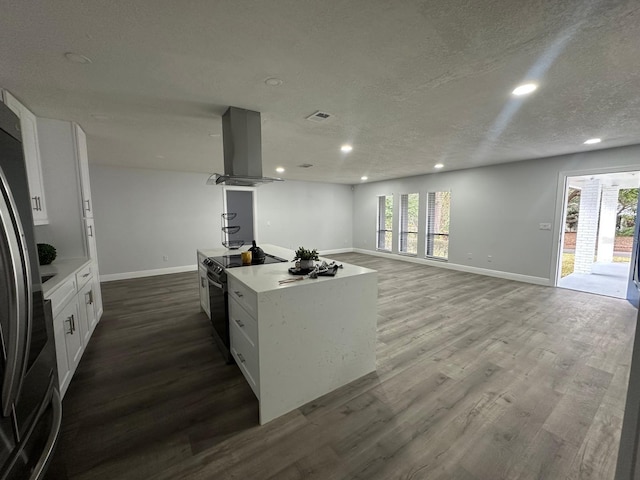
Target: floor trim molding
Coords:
[(461, 268), (147, 273)]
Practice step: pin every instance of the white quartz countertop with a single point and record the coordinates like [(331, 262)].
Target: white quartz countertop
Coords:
[(263, 278), (61, 269)]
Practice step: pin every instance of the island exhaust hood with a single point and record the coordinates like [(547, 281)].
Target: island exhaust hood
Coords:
[(242, 143)]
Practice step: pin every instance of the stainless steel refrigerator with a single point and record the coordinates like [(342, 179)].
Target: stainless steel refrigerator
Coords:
[(31, 410)]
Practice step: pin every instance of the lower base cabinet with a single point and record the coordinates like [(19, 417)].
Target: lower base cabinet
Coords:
[(68, 339), (77, 307)]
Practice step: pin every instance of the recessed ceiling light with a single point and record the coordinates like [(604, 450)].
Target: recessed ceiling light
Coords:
[(592, 141), (100, 116), (273, 82), (214, 134), (160, 156), (346, 148), (525, 89), (280, 170), (364, 178), (438, 165), (76, 58)]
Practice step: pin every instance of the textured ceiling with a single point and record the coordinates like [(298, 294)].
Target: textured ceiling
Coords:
[(410, 83)]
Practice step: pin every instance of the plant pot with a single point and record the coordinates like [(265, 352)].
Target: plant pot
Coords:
[(306, 264)]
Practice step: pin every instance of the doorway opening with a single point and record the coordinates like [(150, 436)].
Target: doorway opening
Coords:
[(598, 235)]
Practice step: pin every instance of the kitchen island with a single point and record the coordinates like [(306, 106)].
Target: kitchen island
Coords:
[(298, 341)]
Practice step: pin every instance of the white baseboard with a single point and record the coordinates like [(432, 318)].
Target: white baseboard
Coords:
[(461, 268), (324, 253), (147, 273)]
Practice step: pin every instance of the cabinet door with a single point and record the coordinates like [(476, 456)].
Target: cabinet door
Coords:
[(90, 234), (32, 158), (87, 312), (68, 342), (204, 292), (97, 295), (83, 164)]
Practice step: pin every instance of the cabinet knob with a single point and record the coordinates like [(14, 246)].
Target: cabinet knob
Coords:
[(240, 324), (242, 360), (237, 293)]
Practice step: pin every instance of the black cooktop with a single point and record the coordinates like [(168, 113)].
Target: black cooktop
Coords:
[(231, 261)]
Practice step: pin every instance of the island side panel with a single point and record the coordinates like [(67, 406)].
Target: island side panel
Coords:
[(315, 338)]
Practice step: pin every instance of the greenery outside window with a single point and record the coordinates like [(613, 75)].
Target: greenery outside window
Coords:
[(409, 223), (384, 235), (438, 212)]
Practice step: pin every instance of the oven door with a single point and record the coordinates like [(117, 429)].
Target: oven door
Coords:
[(219, 306)]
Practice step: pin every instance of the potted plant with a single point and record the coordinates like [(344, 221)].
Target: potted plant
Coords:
[(306, 257)]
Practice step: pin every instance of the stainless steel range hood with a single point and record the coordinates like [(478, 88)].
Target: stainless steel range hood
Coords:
[(242, 142)]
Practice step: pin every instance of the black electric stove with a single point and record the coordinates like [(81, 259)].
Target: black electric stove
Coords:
[(232, 261)]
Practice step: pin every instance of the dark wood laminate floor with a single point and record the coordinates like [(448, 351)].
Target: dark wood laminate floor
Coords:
[(478, 379)]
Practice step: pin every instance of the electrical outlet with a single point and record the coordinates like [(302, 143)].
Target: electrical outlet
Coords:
[(544, 226), (165, 258), (489, 258), (469, 256)]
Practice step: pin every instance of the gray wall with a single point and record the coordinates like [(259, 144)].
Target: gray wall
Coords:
[(313, 215), (495, 210), (142, 215)]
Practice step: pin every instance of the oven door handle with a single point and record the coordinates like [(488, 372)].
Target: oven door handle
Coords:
[(213, 282)]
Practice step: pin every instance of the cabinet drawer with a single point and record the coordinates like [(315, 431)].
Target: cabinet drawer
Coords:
[(245, 322), (246, 357), (83, 275), (62, 295), (246, 297)]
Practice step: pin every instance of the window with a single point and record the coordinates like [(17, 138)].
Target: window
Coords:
[(409, 223), (438, 206), (385, 222)]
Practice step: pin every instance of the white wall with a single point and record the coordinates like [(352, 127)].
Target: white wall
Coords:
[(313, 215), (142, 215), (496, 210)]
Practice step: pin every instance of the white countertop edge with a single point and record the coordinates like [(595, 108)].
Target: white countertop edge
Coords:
[(62, 269)]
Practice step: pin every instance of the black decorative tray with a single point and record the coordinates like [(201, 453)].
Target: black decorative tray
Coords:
[(330, 272)]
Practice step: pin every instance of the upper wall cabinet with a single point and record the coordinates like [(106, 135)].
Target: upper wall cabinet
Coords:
[(32, 157), (83, 163)]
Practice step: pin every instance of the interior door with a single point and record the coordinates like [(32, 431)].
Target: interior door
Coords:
[(633, 286)]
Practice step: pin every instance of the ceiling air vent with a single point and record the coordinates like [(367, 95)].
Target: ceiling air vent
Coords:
[(305, 165), (319, 117)]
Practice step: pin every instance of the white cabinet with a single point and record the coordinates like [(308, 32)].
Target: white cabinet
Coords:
[(76, 307), (204, 291), (31, 148), (87, 312), (83, 164), (243, 330), (97, 293), (68, 340), (90, 233)]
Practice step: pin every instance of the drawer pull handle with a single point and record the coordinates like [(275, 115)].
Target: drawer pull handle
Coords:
[(88, 209), (86, 275), (242, 360), (238, 293), (73, 322), (240, 324)]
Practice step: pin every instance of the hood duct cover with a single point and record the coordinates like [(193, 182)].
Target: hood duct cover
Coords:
[(242, 143)]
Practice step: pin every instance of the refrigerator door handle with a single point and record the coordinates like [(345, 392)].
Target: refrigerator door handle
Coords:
[(21, 303), (47, 452)]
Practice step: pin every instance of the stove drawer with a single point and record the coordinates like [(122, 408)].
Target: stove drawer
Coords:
[(245, 322), (246, 356), (246, 297)]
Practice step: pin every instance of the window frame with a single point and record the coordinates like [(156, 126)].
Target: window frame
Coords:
[(403, 228), (381, 222), (430, 234)]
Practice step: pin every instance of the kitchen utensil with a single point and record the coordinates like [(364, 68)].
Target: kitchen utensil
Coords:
[(257, 254)]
